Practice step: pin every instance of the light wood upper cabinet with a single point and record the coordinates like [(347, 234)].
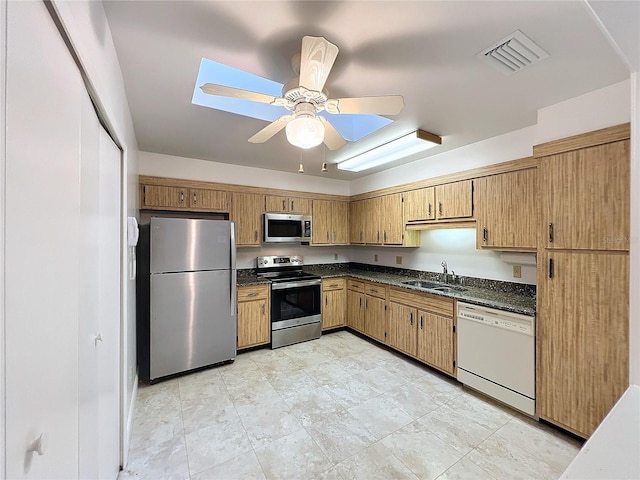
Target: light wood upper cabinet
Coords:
[(330, 222), (391, 214), (454, 200), (585, 198), (254, 326), (284, 204), (403, 322), (419, 205), (247, 213), (583, 336), (373, 220), (211, 200), (356, 222), (506, 210), (334, 302), (163, 196)]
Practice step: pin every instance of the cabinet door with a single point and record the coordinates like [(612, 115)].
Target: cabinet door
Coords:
[(340, 222), (436, 341), (583, 338), (247, 213), (355, 310), (321, 222), (373, 219), (254, 327), (391, 212), (454, 200), (333, 308), (356, 222), (375, 318), (402, 327), (213, 200), (300, 205), (166, 197), (419, 205), (276, 203), (585, 198), (506, 210)]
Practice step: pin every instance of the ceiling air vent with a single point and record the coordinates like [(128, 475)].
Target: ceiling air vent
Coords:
[(513, 53)]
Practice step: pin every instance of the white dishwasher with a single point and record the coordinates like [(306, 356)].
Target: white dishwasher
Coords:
[(496, 354)]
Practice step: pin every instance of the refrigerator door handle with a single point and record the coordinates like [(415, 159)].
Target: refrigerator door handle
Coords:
[(233, 269)]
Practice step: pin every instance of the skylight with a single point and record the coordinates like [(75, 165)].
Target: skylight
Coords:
[(352, 127)]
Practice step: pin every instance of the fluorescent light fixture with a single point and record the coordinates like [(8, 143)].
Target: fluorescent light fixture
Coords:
[(402, 147)]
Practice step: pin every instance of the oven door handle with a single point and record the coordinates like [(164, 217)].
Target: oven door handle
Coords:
[(304, 283)]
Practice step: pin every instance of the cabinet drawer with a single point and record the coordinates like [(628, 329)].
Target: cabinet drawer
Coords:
[(333, 284), (424, 301), (355, 285), (255, 292), (375, 290)]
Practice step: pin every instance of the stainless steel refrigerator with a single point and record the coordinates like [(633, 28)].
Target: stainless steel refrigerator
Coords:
[(192, 293)]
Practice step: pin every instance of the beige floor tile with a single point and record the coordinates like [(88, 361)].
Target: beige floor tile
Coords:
[(295, 456), (375, 462), (442, 389), (412, 400), (380, 416), (166, 461), (311, 404), (267, 422), (465, 469), (480, 410), (330, 372), (331, 474), (208, 412), (422, 451), (242, 467), (339, 435), (381, 380), (457, 430)]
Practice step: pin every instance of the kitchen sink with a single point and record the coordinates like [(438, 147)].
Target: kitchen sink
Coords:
[(434, 286)]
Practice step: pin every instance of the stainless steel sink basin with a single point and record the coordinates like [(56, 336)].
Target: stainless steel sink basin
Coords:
[(434, 286), (422, 284)]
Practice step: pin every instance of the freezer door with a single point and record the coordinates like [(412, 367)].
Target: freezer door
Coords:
[(186, 245), (193, 322)]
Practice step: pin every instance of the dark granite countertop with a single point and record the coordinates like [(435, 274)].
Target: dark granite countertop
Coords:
[(511, 297)]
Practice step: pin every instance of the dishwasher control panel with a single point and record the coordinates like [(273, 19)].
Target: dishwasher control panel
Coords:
[(507, 321)]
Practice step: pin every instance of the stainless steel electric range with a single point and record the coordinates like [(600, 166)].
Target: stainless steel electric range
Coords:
[(295, 300)]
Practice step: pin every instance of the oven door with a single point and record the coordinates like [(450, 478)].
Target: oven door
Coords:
[(295, 303)]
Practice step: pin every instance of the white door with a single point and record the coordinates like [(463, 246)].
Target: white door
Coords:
[(42, 231)]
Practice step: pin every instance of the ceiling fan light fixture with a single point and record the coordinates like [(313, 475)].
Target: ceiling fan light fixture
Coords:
[(305, 131), (402, 147)]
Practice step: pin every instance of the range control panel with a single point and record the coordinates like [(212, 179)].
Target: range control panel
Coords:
[(277, 261)]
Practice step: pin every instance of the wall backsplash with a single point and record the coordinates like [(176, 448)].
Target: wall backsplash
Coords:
[(455, 246)]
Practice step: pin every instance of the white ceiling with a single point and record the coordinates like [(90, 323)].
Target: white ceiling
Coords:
[(423, 50)]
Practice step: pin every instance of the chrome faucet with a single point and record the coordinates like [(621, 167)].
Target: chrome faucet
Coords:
[(445, 273)]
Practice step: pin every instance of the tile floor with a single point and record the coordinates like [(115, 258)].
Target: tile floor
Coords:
[(335, 408)]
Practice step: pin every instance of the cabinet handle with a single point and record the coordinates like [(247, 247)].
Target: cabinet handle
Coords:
[(263, 312), (429, 210), (378, 236), (411, 318), (292, 207), (39, 445), (385, 237), (551, 268), (335, 236), (440, 208), (485, 234), (327, 236), (326, 300), (255, 235), (182, 196), (97, 338), (366, 303), (360, 301), (195, 198), (284, 204), (420, 322), (550, 232), (252, 294)]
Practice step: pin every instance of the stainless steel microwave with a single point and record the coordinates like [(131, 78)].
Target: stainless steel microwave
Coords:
[(287, 228)]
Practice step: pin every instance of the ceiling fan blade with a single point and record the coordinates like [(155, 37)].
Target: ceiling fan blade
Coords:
[(316, 59), (384, 105), (224, 91), (270, 130), (332, 138)]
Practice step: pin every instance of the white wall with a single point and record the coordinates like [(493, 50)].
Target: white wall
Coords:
[(86, 24), (155, 164)]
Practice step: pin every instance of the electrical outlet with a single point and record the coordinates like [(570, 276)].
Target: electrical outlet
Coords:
[(375, 257), (517, 271), (335, 256), (399, 260)]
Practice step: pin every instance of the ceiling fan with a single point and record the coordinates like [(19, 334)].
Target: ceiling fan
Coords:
[(305, 97)]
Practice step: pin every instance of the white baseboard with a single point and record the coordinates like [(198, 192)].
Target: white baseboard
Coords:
[(126, 437)]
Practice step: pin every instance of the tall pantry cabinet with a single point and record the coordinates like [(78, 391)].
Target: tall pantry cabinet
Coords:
[(583, 277)]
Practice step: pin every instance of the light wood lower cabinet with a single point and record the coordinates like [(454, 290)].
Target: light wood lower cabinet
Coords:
[(375, 313), (402, 328), (436, 341), (254, 325), (334, 303), (355, 304), (583, 337)]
